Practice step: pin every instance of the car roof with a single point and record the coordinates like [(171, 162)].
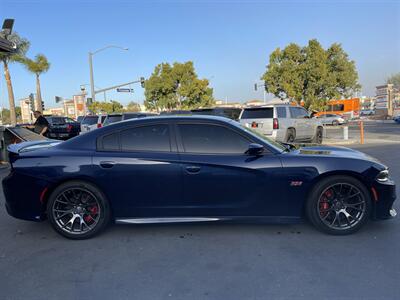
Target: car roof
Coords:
[(180, 118), (271, 105)]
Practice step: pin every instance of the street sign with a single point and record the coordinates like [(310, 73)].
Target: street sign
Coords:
[(124, 90)]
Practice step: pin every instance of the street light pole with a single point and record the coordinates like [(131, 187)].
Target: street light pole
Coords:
[(93, 94), (92, 90)]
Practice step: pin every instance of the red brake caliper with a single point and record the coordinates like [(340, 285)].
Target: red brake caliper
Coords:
[(324, 205), (93, 211)]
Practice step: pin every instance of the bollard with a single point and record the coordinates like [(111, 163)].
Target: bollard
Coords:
[(346, 132), (361, 132)]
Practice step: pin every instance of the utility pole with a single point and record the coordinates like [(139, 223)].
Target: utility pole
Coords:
[(92, 90), (93, 94)]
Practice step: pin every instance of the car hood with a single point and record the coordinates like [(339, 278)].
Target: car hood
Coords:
[(333, 152)]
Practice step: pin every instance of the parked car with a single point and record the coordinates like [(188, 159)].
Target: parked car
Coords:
[(175, 112), (91, 122), (62, 128), (283, 123), (367, 112), (112, 118), (332, 119), (227, 112), (192, 169), (397, 119), (135, 115)]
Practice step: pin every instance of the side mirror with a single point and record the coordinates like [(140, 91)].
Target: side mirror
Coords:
[(255, 149)]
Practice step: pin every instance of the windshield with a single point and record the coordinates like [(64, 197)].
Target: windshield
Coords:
[(269, 141)]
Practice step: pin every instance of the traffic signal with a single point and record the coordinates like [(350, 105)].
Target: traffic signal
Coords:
[(42, 105), (142, 81), (255, 87), (31, 102)]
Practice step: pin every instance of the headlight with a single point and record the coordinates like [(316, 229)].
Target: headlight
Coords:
[(383, 176)]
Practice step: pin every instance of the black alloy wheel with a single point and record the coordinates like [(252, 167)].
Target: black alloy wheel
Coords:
[(78, 210), (339, 205)]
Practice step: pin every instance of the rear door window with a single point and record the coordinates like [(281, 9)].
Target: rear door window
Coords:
[(110, 142), (146, 138), (212, 139), (281, 112), (258, 113)]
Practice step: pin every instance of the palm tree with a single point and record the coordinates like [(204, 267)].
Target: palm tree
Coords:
[(37, 66), (22, 46)]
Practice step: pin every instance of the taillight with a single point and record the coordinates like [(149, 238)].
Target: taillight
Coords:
[(69, 127), (275, 124), (99, 125)]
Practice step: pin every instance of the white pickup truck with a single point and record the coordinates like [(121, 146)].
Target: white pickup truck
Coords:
[(283, 123)]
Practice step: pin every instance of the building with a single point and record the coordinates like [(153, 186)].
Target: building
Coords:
[(26, 110), (75, 107), (385, 100), (56, 111)]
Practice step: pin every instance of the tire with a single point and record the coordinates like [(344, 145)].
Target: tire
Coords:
[(319, 136), (78, 210), (331, 211), (290, 135)]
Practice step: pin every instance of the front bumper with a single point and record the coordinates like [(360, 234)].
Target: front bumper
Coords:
[(385, 197)]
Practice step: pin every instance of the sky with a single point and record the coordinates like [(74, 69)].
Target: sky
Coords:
[(228, 41)]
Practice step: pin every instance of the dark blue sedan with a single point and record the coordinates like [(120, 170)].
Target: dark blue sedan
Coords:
[(192, 169)]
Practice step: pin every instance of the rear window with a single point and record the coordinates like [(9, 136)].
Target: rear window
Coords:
[(258, 113), (113, 119), (90, 120), (130, 116)]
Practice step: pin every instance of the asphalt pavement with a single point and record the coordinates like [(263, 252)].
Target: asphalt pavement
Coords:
[(204, 261)]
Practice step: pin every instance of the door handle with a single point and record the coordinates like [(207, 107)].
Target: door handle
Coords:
[(107, 164), (192, 169)]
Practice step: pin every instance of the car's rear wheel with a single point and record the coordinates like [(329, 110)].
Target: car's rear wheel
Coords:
[(290, 135), (339, 205), (78, 210)]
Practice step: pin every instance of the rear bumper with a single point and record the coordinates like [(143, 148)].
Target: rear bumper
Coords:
[(22, 195), (383, 205)]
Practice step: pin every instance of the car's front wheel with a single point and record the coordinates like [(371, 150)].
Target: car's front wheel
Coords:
[(78, 210), (339, 205)]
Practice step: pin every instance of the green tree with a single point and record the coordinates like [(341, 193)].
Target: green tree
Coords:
[(311, 74), (37, 66), (132, 107), (176, 87), (106, 107), (395, 80), (22, 46)]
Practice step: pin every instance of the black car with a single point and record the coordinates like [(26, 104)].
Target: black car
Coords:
[(62, 128)]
